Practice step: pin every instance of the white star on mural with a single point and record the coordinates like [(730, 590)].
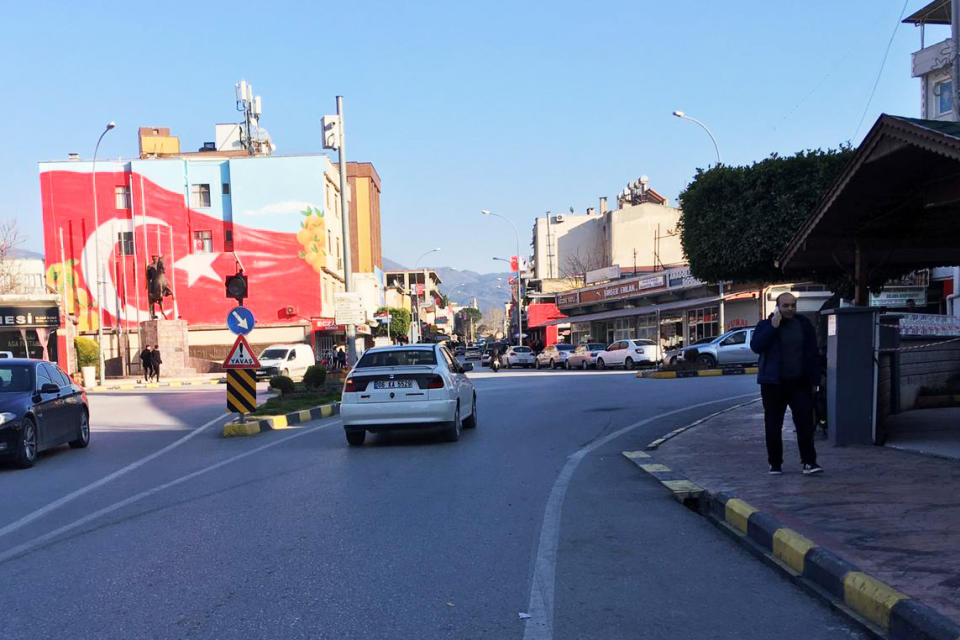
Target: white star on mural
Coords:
[(198, 265)]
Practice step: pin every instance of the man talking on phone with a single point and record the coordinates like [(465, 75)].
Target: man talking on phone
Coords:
[(788, 374)]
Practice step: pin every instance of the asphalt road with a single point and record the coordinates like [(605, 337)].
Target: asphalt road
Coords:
[(162, 529)]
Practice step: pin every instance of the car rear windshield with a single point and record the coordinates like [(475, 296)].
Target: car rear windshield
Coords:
[(564, 347), (521, 349), (645, 342), (397, 358), (274, 354), (15, 378), (596, 346)]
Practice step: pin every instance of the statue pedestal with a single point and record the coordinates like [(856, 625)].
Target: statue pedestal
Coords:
[(172, 338)]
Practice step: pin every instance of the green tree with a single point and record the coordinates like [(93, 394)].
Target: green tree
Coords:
[(737, 220), (473, 314), (400, 324)]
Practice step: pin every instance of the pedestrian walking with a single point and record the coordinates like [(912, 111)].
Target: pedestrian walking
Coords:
[(156, 362), (789, 372), (146, 363), (341, 358)]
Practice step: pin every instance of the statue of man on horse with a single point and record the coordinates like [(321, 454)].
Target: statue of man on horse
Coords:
[(157, 286)]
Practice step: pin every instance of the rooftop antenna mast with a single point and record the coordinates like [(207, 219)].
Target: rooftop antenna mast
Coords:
[(250, 106)]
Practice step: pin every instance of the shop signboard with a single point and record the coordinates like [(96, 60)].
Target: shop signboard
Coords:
[(928, 324), (348, 308), (568, 299), (29, 317), (900, 297), (681, 277)]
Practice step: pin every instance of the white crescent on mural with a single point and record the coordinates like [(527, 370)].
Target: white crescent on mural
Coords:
[(106, 237)]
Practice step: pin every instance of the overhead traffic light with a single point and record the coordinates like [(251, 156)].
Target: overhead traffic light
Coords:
[(236, 286)]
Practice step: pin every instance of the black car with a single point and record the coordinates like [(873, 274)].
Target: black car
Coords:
[(40, 408)]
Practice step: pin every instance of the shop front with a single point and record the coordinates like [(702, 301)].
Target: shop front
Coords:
[(28, 327)]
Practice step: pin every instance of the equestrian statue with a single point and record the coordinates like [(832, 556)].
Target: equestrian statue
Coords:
[(157, 286)]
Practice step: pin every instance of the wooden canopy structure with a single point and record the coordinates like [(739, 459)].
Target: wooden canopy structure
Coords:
[(895, 206)]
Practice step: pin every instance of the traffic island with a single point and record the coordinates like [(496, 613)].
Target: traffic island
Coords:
[(875, 534), (253, 424)]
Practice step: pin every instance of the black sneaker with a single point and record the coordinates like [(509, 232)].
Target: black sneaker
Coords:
[(775, 470), (810, 469)]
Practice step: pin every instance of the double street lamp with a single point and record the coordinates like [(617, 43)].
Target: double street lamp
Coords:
[(683, 116), (517, 232), (98, 276)]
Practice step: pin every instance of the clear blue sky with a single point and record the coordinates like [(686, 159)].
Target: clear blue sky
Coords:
[(515, 107)]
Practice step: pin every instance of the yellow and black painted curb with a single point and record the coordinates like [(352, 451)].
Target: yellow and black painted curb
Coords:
[(876, 605), (251, 427), (702, 373), (153, 385), (659, 441)]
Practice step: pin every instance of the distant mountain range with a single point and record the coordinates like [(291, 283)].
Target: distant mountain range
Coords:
[(463, 286)]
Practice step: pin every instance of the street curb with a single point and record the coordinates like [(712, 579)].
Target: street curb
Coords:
[(659, 441), (152, 385), (880, 608), (693, 373), (241, 427)]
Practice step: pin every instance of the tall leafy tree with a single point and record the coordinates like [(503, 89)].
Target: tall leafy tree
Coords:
[(400, 324), (737, 220)]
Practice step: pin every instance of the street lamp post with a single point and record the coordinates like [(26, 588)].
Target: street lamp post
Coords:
[(519, 303), (416, 265), (99, 268), (716, 147)]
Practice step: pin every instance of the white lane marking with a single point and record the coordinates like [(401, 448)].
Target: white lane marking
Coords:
[(40, 540), (540, 624), (73, 495)]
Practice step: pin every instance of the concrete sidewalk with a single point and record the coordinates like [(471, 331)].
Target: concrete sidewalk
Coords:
[(893, 513), (117, 384)]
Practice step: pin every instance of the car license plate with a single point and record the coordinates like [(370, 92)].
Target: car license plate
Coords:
[(393, 384)]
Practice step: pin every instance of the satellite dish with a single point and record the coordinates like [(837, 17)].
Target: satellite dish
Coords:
[(644, 179), (263, 137)]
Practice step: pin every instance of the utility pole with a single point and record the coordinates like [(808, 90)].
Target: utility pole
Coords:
[(345, 219)]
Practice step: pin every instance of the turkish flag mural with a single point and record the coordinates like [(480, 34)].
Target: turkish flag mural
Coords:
[(138, 219)]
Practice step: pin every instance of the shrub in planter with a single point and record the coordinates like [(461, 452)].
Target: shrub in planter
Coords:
[(283, 384), (314, 377), (88, 352)]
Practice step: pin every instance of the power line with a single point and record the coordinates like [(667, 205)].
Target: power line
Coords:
[(880, 72)]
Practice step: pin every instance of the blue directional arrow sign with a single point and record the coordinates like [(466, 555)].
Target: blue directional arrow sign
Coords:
[(240, 321)]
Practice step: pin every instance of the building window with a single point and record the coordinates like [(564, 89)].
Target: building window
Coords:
[(200, 196), (228, 239), (122, 196), (203, 242), (125, 240), (226, 188), (944, 95)]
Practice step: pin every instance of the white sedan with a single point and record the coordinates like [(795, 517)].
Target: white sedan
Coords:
[(628, 354), (408, 386), (517, 357)]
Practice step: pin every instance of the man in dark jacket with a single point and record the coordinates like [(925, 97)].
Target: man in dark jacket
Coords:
[(146, 362), (789, 372), (156, 362)]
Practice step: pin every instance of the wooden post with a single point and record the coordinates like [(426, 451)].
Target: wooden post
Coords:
[(861, 296)]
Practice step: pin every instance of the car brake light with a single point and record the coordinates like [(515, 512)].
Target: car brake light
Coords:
[(435, 382), (639, 350), (350, 386)]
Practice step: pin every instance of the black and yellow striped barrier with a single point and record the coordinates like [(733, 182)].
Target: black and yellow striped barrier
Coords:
[(701, 373), (875, 604), (241, 390)]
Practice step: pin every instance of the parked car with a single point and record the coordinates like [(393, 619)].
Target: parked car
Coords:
[(472, 353), (518, 356), (732, 347), (585, 355), (675, 354), (554, 356), (40, 408), (407, 386), (285, 360), (628, 354)]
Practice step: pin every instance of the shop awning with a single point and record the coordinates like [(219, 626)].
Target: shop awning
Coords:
[(638, 311)]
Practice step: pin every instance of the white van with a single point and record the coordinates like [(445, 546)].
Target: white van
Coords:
[(285, 360)]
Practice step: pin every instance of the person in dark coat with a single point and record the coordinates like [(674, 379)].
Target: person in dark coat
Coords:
[(156, 362), (146, 363), (789, 371)]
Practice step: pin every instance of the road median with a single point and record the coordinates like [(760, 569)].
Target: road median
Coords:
[(697, 373), (251, 426)]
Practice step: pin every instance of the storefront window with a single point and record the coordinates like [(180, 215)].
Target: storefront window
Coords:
[(703, 323), (671, 331)]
